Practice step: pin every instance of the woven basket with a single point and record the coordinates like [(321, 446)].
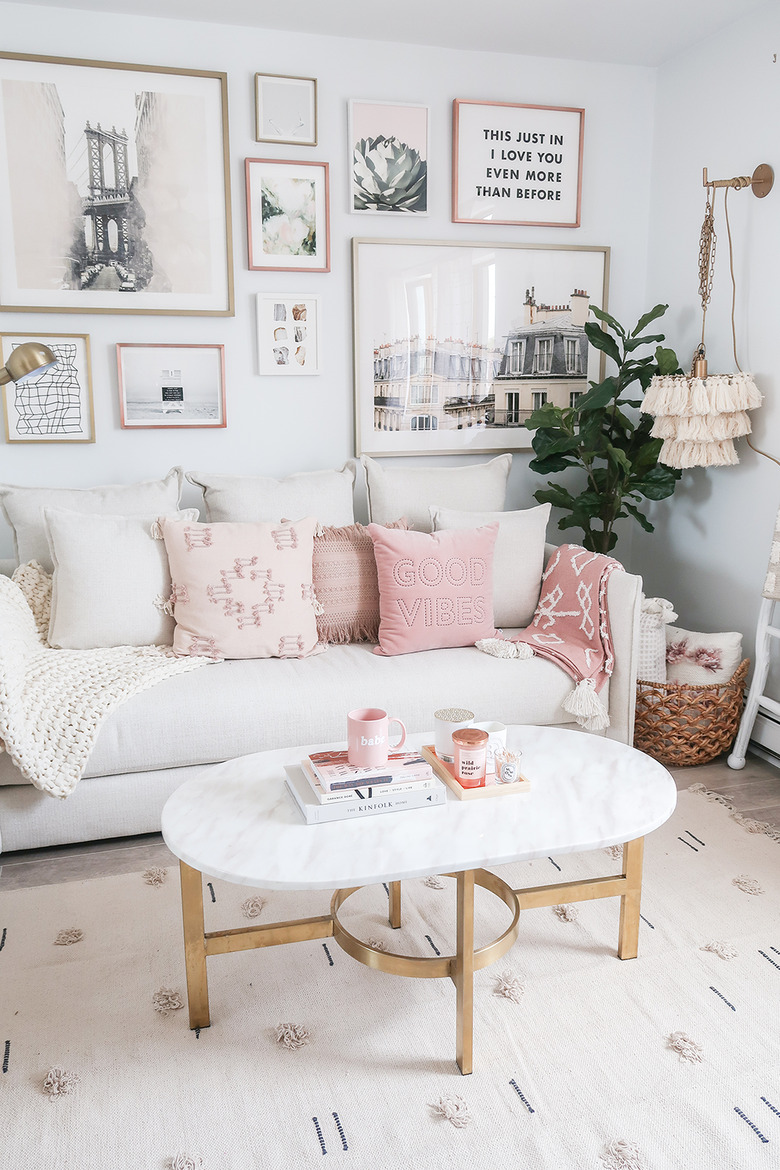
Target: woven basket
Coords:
[(682, 724)]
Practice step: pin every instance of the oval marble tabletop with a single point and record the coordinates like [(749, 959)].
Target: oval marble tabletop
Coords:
[(238, 821)]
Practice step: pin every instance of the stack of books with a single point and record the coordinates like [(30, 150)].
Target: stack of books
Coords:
[(326, 787)]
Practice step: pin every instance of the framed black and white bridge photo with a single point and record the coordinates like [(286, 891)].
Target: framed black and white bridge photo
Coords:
[(114, 188)]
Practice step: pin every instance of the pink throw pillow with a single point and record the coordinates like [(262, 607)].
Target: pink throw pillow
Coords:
[(242, 590), (436, 589), (345, 584)]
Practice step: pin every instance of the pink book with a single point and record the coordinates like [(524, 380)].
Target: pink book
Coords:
[(334, 771)]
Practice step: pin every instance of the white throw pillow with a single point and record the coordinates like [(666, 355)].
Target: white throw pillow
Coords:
[(111, 578), (326, 495), (409, 491), (23, 508), (518, 560), (701, 658)]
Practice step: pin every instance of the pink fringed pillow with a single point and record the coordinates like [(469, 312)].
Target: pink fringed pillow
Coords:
[(345, 583), (436, 589), (242, 590)]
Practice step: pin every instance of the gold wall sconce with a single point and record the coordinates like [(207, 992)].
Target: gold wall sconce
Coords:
[(28, 358)]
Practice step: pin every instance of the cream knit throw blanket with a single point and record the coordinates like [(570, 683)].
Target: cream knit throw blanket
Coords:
[(52, 702)]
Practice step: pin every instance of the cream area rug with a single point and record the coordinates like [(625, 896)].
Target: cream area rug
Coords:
[(582, 1062)]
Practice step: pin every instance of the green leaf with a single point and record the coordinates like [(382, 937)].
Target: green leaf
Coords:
[(556, 495), (601, 340), (666, 359), (635, 342), (639, 516), (599, 395), (607, 319), (658, 483), (548, 415), (646, 318), (619, 458), (552, 463)]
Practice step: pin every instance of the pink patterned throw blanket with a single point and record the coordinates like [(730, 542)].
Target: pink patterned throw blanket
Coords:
[(571, 628)]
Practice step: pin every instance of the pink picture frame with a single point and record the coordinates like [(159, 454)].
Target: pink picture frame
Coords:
[(169, 387), (510, 161), (295, 234)]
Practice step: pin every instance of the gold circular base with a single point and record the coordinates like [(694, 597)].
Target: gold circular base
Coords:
[(440, 966), (762, 180)]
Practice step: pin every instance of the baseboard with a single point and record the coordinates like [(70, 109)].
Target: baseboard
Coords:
[(765, 739)]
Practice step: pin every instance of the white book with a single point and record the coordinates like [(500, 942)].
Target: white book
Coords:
[(314, 812), (366, 791)]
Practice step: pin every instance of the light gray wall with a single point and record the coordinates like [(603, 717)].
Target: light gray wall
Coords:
[(718, 106), (280, 425)]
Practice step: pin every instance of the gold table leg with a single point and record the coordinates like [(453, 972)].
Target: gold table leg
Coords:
[(463, 972), (395, 905), (628, 933), (194, 946)]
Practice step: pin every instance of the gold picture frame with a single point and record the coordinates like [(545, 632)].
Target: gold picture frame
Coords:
[(285, 109), (114, 188), (54, 405)]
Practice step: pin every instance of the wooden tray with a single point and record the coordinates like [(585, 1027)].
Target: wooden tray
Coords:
[(446, 772)]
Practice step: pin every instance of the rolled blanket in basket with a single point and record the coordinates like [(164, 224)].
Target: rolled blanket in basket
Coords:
[(571, 628)]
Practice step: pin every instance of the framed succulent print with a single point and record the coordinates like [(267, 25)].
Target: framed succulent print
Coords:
[(389, 143)]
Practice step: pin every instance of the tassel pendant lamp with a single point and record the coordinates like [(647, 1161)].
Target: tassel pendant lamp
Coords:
[(699, 416)]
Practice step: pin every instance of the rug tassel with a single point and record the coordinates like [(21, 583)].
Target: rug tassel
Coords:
[(622, 1155), (586, 707), (501, 648)]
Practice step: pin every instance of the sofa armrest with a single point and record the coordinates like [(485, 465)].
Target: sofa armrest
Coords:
[(624, 598)]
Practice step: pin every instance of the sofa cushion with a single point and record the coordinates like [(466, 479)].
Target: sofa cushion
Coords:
[(345, 584), (518, 561), (111, 579), (242, 590), (233, 708), (326, 495), (435, 589), (409, 491), (23, 508)]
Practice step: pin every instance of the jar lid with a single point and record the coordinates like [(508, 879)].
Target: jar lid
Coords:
[(471, 737)]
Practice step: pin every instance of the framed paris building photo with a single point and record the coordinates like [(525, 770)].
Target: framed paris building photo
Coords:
[(457, 344)]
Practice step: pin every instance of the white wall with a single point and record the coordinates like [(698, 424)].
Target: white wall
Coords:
[(276, 426), (718, 106)]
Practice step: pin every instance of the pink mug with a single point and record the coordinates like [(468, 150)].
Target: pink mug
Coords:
[(367, 737)]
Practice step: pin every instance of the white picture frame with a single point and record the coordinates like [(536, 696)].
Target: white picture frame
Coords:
[(171, 386), (55, 405), (288, 333), (389, 152), (285, 109)]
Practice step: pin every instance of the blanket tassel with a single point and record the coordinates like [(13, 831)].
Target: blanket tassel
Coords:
[(586, 707)]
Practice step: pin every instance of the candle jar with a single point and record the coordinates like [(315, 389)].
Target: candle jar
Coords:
[(470, 744)]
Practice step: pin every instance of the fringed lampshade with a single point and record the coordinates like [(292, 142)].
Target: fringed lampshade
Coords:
[(699, 417)]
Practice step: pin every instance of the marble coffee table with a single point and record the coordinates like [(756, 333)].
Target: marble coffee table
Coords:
[(237, 822)]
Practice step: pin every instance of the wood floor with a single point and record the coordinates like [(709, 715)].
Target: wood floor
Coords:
[(755, 791)]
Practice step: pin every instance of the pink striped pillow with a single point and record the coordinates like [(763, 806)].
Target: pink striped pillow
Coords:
[(345, 583)]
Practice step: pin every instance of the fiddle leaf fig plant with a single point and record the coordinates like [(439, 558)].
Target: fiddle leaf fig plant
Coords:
[(603, 436)]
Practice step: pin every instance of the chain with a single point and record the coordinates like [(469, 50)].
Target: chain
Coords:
[(707, 245)]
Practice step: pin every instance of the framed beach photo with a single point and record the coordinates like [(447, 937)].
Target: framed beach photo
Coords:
[(516, 164), (114, 188), (53, 405), (288, 333), (171, 385), (285, 109), (389, 165), (288, 215), (457, 343)]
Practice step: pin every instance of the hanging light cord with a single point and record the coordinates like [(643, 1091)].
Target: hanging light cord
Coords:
[(733, 310)]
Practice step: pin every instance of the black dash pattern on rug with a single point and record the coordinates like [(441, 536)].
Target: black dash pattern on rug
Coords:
[(731, 1005), (693, 847), (527, 1104), (2, 937), (340, 1128), (320, 1138), (327, 952), (690, 834), (770, 960), (211, 891), (755, 1128), (555, 863), (433, 944), (6, 1055)]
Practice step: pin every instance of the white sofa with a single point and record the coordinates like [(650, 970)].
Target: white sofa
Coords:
[(161, 737)]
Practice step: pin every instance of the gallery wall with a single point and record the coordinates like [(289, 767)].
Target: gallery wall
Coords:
[(278, 425), (718, 106)]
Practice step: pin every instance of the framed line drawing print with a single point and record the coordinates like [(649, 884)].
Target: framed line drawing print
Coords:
[(55, 405), (114, 188), (171, 385), (456, 344), (288, 328), (285, 109), (288, 215), (516, 164), (389, 142)]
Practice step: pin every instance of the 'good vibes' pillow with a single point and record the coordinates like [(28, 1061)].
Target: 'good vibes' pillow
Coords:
[(435, 590)]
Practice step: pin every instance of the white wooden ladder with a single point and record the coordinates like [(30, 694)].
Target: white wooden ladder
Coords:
[(765, 631)]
